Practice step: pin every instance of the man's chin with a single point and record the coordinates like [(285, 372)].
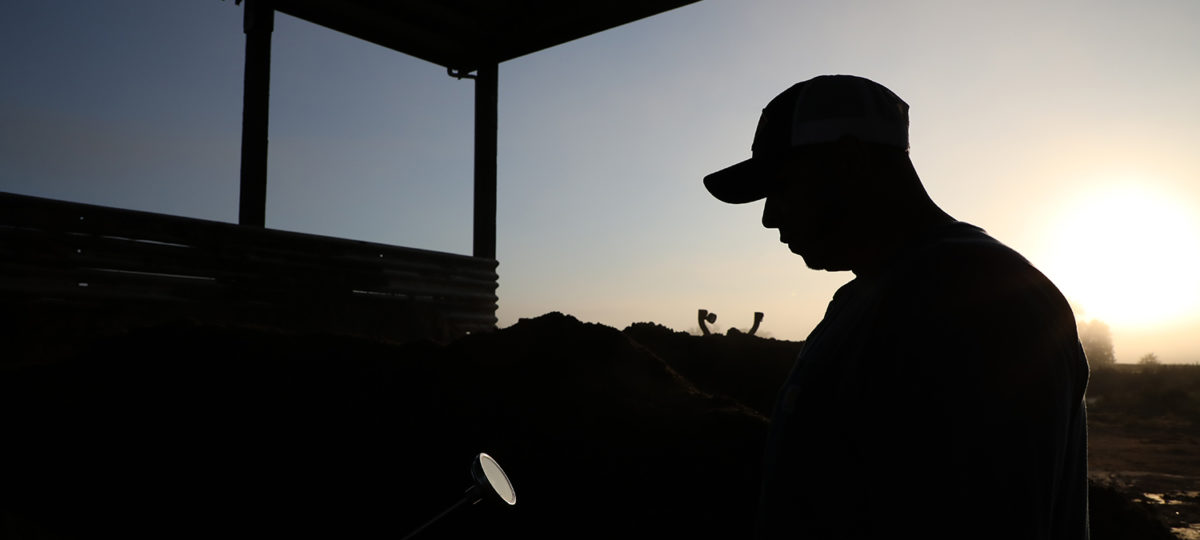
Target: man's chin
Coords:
[(816, 261), (824, 267)]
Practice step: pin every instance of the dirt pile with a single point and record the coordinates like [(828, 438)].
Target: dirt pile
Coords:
[(743, 367), (196, 431)]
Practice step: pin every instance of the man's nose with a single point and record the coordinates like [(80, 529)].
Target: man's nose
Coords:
[(770, 217)]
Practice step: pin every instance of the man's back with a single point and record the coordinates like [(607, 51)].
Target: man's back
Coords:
[(941, 396)]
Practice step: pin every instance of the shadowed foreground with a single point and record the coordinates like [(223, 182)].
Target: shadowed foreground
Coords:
[(180, 432), (189, 431)]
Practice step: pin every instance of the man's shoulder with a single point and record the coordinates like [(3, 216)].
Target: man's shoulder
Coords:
[(969, 266), (976, 294), (966, 241), (964, 249)]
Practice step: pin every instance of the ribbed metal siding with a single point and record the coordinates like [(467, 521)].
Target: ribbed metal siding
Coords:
[(64, 250)]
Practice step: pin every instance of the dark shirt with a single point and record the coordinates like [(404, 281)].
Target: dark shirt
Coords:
[(940, 397)]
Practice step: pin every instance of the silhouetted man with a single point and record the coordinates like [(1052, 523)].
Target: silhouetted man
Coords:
[(942, 394)]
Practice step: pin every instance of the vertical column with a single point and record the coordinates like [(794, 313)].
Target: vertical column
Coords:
[(485, 161), (259, 21)]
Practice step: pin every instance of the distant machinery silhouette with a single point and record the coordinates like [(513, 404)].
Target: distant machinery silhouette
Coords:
[(758, 317), (704, 316)]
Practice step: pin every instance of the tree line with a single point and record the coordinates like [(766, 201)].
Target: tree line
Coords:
[(1096, 338)]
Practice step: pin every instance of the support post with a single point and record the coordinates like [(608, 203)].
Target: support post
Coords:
[(485, 161), (258, 23)]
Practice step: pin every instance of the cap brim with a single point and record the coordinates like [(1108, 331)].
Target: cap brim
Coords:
[(740, 183)]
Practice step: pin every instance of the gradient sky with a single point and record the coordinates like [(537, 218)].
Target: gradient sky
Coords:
[(1069, 130)]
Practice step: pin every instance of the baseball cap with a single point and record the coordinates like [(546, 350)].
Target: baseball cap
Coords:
[(822, 109)]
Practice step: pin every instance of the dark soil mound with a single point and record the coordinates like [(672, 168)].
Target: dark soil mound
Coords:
[(203, 431), (743, 367), (1115, 517)]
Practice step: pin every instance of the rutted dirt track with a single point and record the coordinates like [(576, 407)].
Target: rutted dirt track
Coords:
[(1155, 463)]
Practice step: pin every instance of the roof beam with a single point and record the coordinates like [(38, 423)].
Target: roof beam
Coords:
[(258, 23), (486, 112)]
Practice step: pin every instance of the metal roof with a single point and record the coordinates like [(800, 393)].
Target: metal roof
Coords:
[(465, 34)]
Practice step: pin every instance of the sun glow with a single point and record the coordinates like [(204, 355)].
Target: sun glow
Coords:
[(1127, 255)]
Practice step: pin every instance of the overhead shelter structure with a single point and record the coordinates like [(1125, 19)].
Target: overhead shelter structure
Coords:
[(469, 37), (102, 260)]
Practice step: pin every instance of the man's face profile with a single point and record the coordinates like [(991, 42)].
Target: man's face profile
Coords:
[(811, 209)]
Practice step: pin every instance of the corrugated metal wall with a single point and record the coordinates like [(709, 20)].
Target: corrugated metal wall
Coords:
[(155, 266)]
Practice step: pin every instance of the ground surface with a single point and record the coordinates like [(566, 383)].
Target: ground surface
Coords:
[(1155, 462)]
